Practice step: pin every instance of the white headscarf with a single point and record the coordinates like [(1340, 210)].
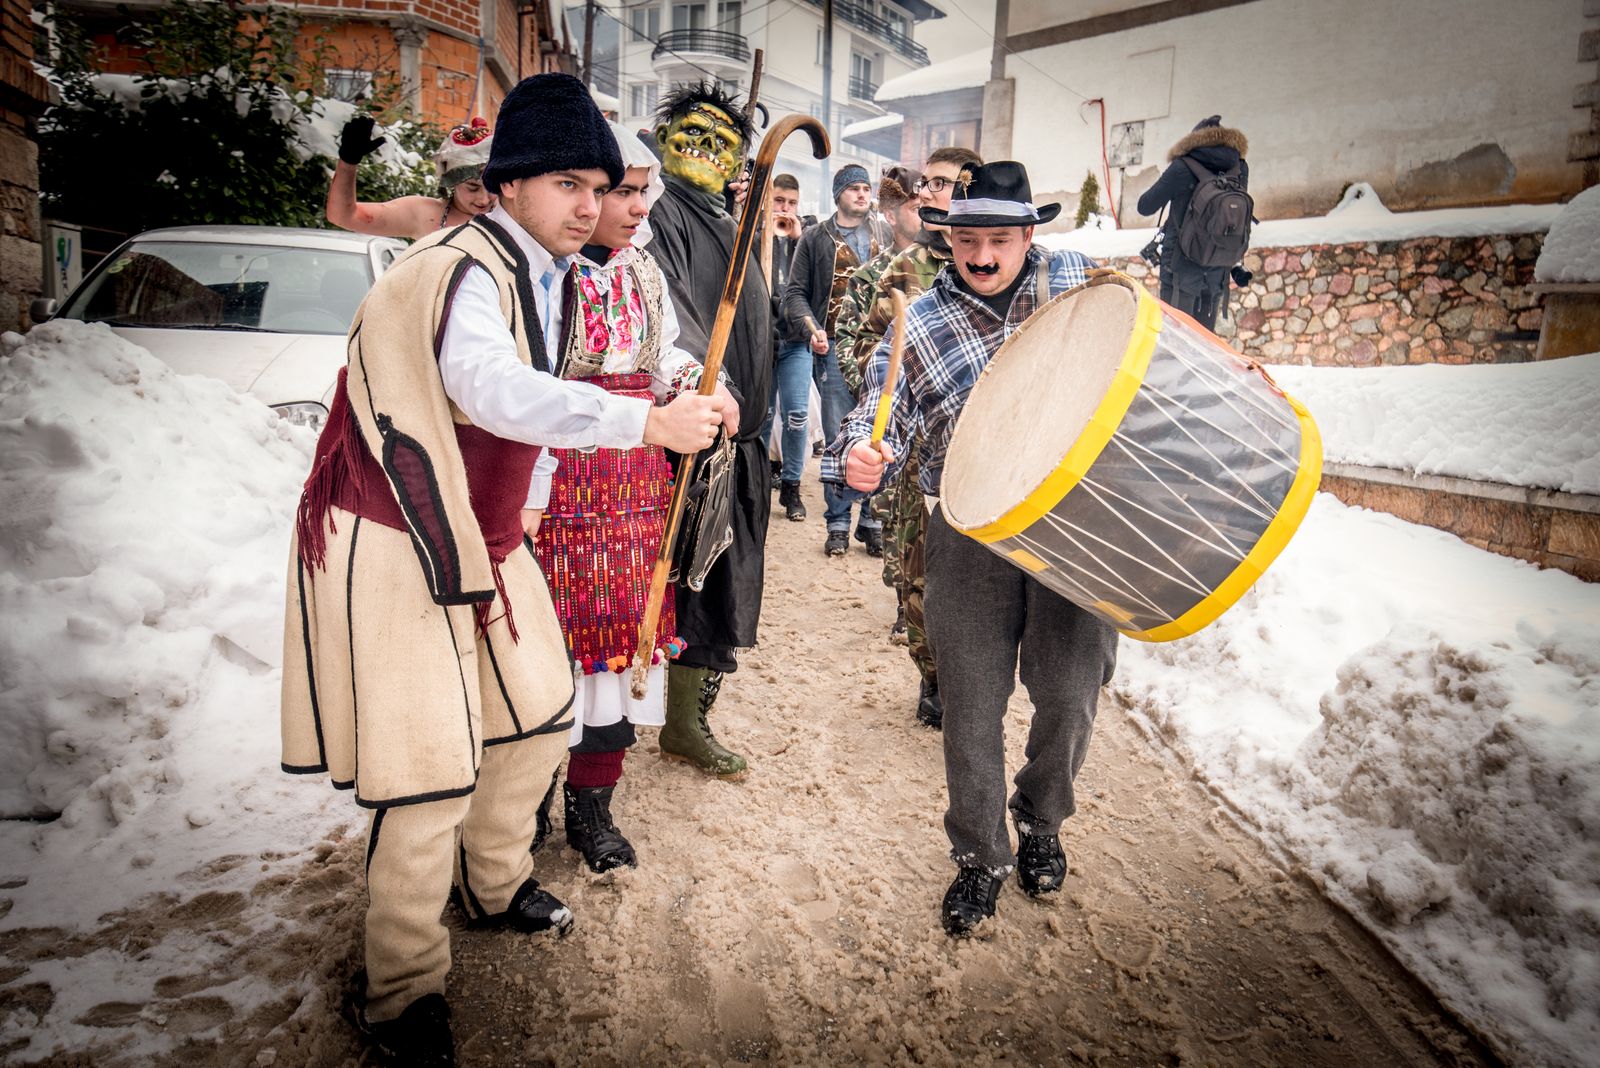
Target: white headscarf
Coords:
[(635, 154)]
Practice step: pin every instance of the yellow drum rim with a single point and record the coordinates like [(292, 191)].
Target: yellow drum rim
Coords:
[(1283, 526), (1102, 426)]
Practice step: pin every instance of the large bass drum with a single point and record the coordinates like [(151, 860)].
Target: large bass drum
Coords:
[(1130, 460)]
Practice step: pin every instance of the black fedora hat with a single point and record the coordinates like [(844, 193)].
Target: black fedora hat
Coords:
[(998, 195)]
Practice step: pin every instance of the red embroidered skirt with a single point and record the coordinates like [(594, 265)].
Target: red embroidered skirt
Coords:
[(598, 543)]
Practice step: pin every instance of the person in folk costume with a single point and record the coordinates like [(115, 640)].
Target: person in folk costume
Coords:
[(462, 193), (424, 666), (703, 135), (1215, 149), (602, 528), (985, 615), (912, 272)]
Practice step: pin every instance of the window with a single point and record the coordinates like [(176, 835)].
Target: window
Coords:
[(688, 16), (897, 22), (951, 134), (646, 23), (729, 13), (344, 83), (643, 97)]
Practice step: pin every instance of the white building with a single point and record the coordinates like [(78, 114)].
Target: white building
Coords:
[(1436, 103), (644, 46)]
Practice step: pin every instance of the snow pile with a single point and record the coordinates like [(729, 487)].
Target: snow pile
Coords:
[(1360, 216), (1572, 248), (1418, 722), (1527, 424), (142, 554)]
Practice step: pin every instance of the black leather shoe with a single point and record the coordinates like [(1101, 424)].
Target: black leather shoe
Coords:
[(794, 509), (534, 910), (872, 539), (418, 1038), (838, 543), (1041, 865), (591, 832), (969, 901), (930, 709)]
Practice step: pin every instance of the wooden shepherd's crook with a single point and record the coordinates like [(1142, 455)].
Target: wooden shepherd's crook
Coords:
[(721, 328), (897, 350)]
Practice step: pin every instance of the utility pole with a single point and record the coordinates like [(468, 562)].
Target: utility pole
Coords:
[(827, 99), (588, 42)]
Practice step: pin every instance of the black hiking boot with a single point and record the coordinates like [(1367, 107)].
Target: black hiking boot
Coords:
[(930, 709), (897, 633), (591, 832), (789, 497), (969, 901), (872, 539), (532, 911), (420, 1037), (837, 544), (1041, 865), (777, 474)]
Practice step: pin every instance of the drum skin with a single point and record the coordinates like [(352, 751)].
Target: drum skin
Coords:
[(1161, 508)]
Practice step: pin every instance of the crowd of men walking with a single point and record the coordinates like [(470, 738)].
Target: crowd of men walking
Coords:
[(524, 391)]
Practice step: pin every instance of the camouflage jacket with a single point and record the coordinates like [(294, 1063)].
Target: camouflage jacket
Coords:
[(853, 314), (911, 272)]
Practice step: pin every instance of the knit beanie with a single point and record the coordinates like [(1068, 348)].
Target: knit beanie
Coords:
[(1214, 120), (850, 175), (549, 122)]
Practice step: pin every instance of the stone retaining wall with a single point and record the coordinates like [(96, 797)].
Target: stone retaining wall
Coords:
[(1422, 300)]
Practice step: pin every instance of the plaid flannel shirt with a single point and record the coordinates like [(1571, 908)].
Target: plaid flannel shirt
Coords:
[(950, 337)]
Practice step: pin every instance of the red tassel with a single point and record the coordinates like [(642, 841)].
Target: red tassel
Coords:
[(337, 463)]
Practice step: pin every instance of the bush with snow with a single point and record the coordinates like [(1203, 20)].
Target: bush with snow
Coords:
[(1571, 250)]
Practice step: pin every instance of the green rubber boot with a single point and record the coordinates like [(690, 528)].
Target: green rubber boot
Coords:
[(686, 736)]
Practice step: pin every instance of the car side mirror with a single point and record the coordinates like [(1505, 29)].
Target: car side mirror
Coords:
[(43, 309)]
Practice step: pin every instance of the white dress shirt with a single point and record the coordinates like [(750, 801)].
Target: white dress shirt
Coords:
[(481, 373)]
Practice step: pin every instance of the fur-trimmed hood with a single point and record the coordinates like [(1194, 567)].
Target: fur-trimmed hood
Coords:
[(1209, 135)]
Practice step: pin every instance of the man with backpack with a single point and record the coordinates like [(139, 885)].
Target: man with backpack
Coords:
[(1207, 226)]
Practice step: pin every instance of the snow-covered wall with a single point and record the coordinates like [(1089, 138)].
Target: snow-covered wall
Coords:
[(1436, 102)]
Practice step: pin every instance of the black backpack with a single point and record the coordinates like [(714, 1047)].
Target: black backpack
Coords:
[(1215, 231)]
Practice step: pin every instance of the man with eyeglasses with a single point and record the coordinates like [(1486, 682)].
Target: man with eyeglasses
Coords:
[(911, 272)]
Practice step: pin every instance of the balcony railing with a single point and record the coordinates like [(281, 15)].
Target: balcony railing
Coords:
[(702, 42), (862, 88), (864, 18)]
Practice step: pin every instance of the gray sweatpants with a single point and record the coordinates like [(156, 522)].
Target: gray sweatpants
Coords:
[(986, 615)]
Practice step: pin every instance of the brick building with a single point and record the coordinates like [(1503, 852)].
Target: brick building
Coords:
[(452, 59), (23, 95)]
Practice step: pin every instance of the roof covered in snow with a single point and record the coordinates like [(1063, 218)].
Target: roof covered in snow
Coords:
[(963, 72)]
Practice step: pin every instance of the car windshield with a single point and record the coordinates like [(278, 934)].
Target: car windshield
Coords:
[(202, 286)]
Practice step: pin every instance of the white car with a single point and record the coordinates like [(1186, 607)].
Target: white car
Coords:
[(264, 308)]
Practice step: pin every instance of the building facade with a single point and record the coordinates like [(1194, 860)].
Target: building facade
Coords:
[(642, 47), (23, 96), (1436, 103)]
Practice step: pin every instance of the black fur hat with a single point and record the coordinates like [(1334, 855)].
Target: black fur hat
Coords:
[(549, 122)]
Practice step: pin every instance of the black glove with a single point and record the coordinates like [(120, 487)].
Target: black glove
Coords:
[(1241, 277), (356, 141)]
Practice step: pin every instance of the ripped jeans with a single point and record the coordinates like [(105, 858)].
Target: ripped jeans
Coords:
[(792, 384)]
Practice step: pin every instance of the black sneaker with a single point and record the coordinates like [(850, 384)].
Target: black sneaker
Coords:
[(930, 708), (838, 543), (872, 539), (794, 509), (420, 1037), (969, 901), (533, 911), (1041, 865)]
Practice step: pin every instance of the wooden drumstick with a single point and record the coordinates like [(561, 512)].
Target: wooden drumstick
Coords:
[(897, 349)]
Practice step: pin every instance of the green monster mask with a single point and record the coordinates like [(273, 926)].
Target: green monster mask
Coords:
[(702, 147)]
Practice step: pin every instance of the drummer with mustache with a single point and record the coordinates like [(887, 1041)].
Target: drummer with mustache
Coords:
[(984, 615)]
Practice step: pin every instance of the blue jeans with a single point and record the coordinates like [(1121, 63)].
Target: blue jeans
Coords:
[(791, 386), (836, 404)]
